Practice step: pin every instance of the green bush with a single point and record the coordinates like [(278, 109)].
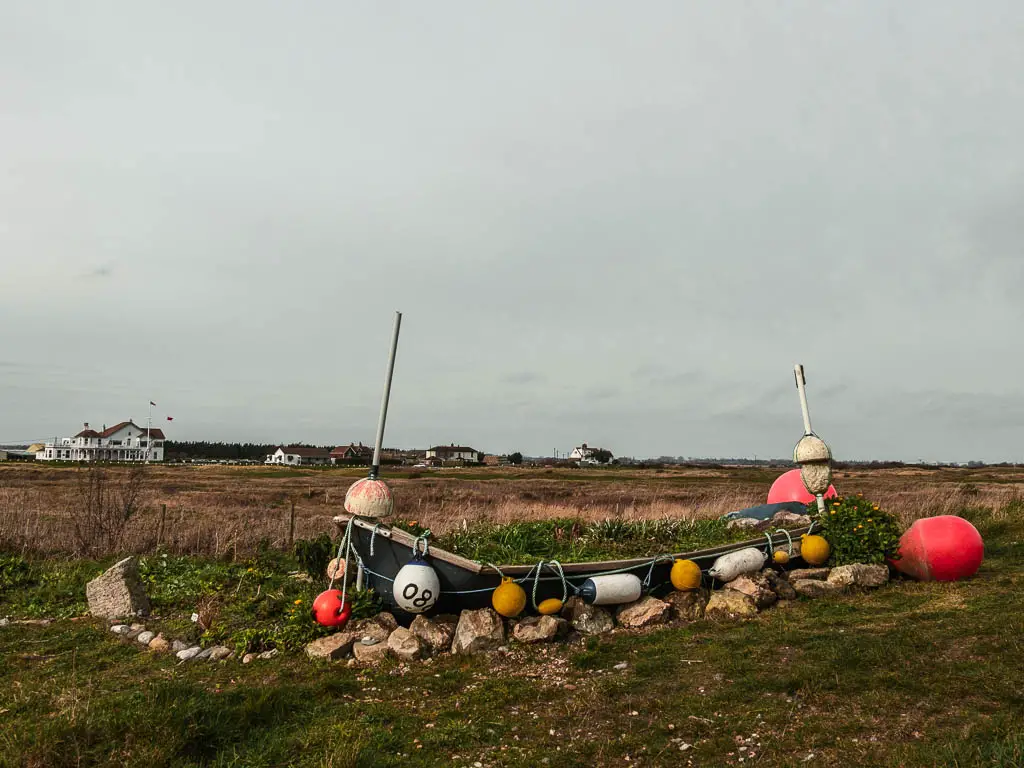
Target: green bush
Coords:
[(314, 555), (857, 530), (14, 572)]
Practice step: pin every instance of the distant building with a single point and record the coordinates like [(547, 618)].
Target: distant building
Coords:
[(495, 461), (352, 453), (299, 455), (455, 452), (126, 441), (584, 454)]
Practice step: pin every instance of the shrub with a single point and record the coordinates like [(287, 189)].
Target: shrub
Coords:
[(857, 530), (314, 555), (14, 572)]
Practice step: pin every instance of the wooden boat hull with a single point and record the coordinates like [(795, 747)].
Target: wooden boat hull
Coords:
[(466, 584)]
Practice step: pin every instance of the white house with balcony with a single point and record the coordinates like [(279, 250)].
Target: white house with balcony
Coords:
[(126, 441)]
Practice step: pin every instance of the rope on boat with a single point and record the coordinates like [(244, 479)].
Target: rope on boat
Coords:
[(771, 545), (650, 571)]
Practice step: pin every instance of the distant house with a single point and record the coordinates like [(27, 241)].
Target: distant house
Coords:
[(495, 461), (584, 454), (126, 441), (455, 452), (299, 455), (352, 453)]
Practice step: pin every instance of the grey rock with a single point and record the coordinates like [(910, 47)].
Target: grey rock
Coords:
[(859, 575), (144, 638), (479, 630), (133, 634), (801, 574), (118, 592), (406, 645), (688, 606), (756, 587), (815, 588), (177, 645), (587, 619), (370, 654), (188, 653), (4, 621), (540, 629), (748, 523), (730, 604), (120, 629), (435, 633), (386, 620), (645, 612), (792, 519), (334, 646), (267, 654), (204, 654), (220, 652), (779, 585), (249, 657)]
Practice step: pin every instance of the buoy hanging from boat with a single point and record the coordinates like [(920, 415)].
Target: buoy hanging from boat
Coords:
[(685, 575), (611, 589), (509, 599), (814, 549), (369, 497), (942, 548), (416, 586), (780, 556), (729, 566), (330, 610), (550, 606), (336, 568)]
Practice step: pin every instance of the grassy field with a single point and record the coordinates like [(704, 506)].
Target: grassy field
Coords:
[(913, 674), (227, 511)]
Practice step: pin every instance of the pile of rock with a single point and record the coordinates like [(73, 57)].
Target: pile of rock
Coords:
[(157, 643), (369, 641)]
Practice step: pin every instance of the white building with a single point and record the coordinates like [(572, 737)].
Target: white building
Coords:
[(299, 455), (584, 454), (126, 441), (455, 452)]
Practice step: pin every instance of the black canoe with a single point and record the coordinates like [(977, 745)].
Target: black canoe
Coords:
[(466, 584)]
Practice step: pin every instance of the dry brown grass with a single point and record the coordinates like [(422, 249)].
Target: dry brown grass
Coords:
[(224, 511)]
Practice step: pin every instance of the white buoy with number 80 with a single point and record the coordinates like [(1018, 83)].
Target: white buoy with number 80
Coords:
[(416, 587)]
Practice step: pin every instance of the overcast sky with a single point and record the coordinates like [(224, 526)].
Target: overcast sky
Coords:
[(612, 223)]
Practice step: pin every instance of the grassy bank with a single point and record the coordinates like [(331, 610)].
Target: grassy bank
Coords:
[(914, 674)]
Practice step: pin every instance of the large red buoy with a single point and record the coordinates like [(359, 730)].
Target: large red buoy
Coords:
[(789, 487), (943, 548), (329, 610)]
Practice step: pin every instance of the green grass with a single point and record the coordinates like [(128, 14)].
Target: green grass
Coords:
[(910, 675), (570, 540)]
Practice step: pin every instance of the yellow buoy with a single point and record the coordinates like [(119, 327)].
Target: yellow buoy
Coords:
[(550, 606), (685, 575), (814, 549), (509, 598), (781, 556)]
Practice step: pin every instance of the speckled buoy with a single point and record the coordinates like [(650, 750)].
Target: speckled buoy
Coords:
[(369, 497)]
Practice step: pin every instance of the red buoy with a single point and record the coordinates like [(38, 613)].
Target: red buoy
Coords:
[(329, 610), (943, 548), (789, 487)]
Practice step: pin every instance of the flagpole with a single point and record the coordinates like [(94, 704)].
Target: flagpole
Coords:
[(149, 428), (375, 467)]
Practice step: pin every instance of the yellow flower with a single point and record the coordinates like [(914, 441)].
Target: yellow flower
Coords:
[(875, 507), (869, 519), (412, 523), (833, 511), (298, 602)]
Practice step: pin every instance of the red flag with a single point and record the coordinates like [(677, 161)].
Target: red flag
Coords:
[(169, 418)]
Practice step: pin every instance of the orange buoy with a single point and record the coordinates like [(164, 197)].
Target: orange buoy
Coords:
[(942, 548)]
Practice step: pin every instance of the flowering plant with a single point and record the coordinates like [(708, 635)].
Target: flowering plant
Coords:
[(857, 530)]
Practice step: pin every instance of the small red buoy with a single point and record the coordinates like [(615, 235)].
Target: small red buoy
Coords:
[(943, 548), (329, 610), (789, 487)]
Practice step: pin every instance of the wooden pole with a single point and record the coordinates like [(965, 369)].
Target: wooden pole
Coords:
[(160, 530), (291, 524)]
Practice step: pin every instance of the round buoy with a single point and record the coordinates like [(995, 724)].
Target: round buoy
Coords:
[(685, 575), (790, 487), (416, 586), (814, 549), (943, 548), (509, 598), (550, 607), (369, 497), (611, 589), (781, 556), (732, 564), (329, 610)]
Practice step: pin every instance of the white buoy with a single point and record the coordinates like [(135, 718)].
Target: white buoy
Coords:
[(611, 589), (369, 497), (728, 567), (416, 586)]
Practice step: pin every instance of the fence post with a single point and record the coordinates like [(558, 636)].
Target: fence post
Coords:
[(160, 530), (291, 524)]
